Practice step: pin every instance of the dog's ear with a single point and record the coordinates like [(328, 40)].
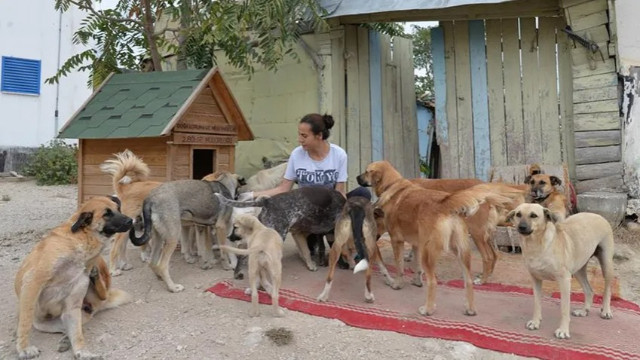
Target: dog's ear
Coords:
[(510, 215), (242, 181), (535, 169), (117, 201), (555, 180), (527, 179), (378, 213), (84, 219), (550, 216)]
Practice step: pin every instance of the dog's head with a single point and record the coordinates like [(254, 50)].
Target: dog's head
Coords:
[(530, 218), (243, 226), (100, 215), (379, 175), (231, 181), (540, 184)]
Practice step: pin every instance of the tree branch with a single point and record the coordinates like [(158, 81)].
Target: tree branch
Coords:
[(88, 7)]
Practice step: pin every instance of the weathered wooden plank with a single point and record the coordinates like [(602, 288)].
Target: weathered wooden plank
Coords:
[(440, 90), (97, 190), (466, 155), (548, 93), (139, 146), (589, 21), (565, 82), (532, 128), (598, 154), (451, 167), (581, 55), (596, 106), (395, 79), (609, 182), (569, 3), (599, 34), (375, 78), (597, 138), (495, 89), (587, 95), (613, 28), (596, 171), (388, 101), (595, 81), (596, 121), (365, 103), (581, 10), (338, 85), (352, 138), (513, 92), (480, 108), (409, 121)]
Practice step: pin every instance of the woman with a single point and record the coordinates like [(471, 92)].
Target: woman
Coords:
[(316, 162)]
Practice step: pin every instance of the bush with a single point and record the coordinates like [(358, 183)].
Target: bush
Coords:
[(54, 164)]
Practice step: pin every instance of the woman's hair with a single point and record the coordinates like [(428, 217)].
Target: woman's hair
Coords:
[(320, 124)]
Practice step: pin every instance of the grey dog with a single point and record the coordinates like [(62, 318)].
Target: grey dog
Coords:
[(192, 200), (302, 211)]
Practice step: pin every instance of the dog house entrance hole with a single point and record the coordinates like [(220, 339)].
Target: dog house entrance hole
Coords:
[(203, 161)]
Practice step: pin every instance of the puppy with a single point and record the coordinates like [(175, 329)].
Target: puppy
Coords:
[(356, 224), (555, 250), (52, 281), (542, 190), (264, 248)]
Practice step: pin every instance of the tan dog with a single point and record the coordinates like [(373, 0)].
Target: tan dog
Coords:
[(53, 279), (542, 190), (431, 221), (129, 176), (556, 250), (356, 224), (264, 248)]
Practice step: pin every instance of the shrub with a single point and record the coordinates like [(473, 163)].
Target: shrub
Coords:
[(54, 164)]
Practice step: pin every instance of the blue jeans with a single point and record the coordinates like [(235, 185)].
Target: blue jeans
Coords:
[(360, 191)]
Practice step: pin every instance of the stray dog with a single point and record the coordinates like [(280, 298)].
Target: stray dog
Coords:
[(542, 190), (129, 176), (265, 179), (55, 276), (192, 200), (555, 251), (356, 224), (302, 211), (264, 248), (431, 221)]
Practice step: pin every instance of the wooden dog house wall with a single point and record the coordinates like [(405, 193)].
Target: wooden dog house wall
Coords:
[(183, 124)]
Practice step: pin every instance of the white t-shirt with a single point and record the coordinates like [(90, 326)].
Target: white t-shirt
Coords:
[(326, 172)]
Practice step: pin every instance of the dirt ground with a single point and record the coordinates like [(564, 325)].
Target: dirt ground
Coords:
[(195, 324)]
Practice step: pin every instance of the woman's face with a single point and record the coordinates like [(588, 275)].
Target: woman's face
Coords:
[(306, 138)]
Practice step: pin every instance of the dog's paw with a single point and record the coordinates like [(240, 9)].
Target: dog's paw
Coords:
[(115, 272), (533, 324), (247, 291), (397, 285), (176, 288), (312, 266), (145, 257), (606, 314), (417, 281), (478, 280), (227, 266), (580, 312), (29, 353), (126, 266), (64, 344), (369, 298), (189, 259), (562, 334), (85, 355), (426, 312), (238, 276), (323, 297), (209, 264), (470, 312)]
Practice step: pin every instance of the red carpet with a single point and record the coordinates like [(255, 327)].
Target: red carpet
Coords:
[(502, 312)]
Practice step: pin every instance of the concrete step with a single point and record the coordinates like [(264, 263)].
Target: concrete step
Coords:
[(610, 205)]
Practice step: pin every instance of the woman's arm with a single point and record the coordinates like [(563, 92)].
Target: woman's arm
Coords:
[(342, 188), (285, 185)]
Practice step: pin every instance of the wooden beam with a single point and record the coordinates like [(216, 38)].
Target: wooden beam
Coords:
[(598, 138), (596, 121), (532, 128), (466, 157), (609, 182), (481, 137), (595, 81), (352, 139), (588, 95), (598, 155), (365, 100), (513, 92), (596, 107), (597, 171)]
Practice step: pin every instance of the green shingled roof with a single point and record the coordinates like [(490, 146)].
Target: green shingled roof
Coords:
[(133, 105)]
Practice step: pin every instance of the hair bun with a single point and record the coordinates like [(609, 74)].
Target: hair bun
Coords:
[(328, 121)]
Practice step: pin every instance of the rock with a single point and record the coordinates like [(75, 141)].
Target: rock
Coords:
[(15, 174), (612, 206), (254, 336), (623, 252)]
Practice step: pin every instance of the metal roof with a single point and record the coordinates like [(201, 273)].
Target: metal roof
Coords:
[(337, 8)]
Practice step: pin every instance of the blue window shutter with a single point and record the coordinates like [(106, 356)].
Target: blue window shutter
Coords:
[(20, 76)]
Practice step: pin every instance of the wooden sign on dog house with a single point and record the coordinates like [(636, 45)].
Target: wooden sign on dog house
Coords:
[(183, 124)]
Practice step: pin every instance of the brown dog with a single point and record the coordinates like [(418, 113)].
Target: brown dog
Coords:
[(356, 224), (431, 221), (542, 190), (264, 248), (53, 279), (555, 251), (129, 176)]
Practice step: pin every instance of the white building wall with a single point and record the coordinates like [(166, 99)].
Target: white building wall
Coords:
[(33, 29)]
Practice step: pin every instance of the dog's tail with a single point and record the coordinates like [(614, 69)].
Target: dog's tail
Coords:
[(261, 201), (146, 218), (357, 215), (125, 168), (466, 202), (115, 298), (236, 250)]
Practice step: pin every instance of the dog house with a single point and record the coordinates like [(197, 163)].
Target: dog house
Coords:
[(183, 124)]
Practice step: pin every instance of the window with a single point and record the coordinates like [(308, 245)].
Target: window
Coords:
[(20, 76)]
